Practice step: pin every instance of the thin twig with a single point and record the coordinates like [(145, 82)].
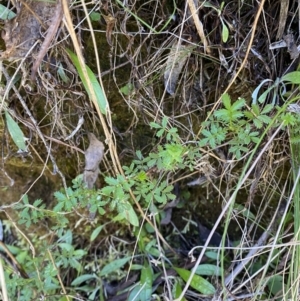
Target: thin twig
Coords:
[(58, 276), (3, 283), (198, 25), (79, 124)]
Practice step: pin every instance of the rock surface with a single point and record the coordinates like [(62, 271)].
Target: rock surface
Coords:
[(23, 31), (93, 157)]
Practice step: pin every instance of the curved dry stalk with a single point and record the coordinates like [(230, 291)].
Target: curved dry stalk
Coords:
[(284, 9), (55, 21), (198, 25), (3, 283), (58, 276), (108, 134)]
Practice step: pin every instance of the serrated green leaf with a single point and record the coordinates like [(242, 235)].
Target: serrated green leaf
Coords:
[(107, 190), (168, 188), (249, 115), (114, 265), (173, 130), (15, 132), (155, 125), (253, 134), (206, 133), (151, 162), (171, 196), (268, 108), (65, 246), (237, 115), (127, 89), (160, 133), (139, 154), (160, 198), (37, 202), (255, 139), (265, 119), (58, 207), (111, 181), (95, 16), (258, 123), (198, 283), (25, 199), (164, 122), (61, 197), (237, 105), (226, 101), (100, 97), (255, 109)]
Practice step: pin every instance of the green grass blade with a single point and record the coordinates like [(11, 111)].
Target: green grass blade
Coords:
[(101, 100)]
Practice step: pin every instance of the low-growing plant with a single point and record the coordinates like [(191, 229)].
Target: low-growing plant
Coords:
[(236, 124)]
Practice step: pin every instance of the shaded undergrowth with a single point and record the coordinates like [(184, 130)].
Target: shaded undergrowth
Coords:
[(197, 196)]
